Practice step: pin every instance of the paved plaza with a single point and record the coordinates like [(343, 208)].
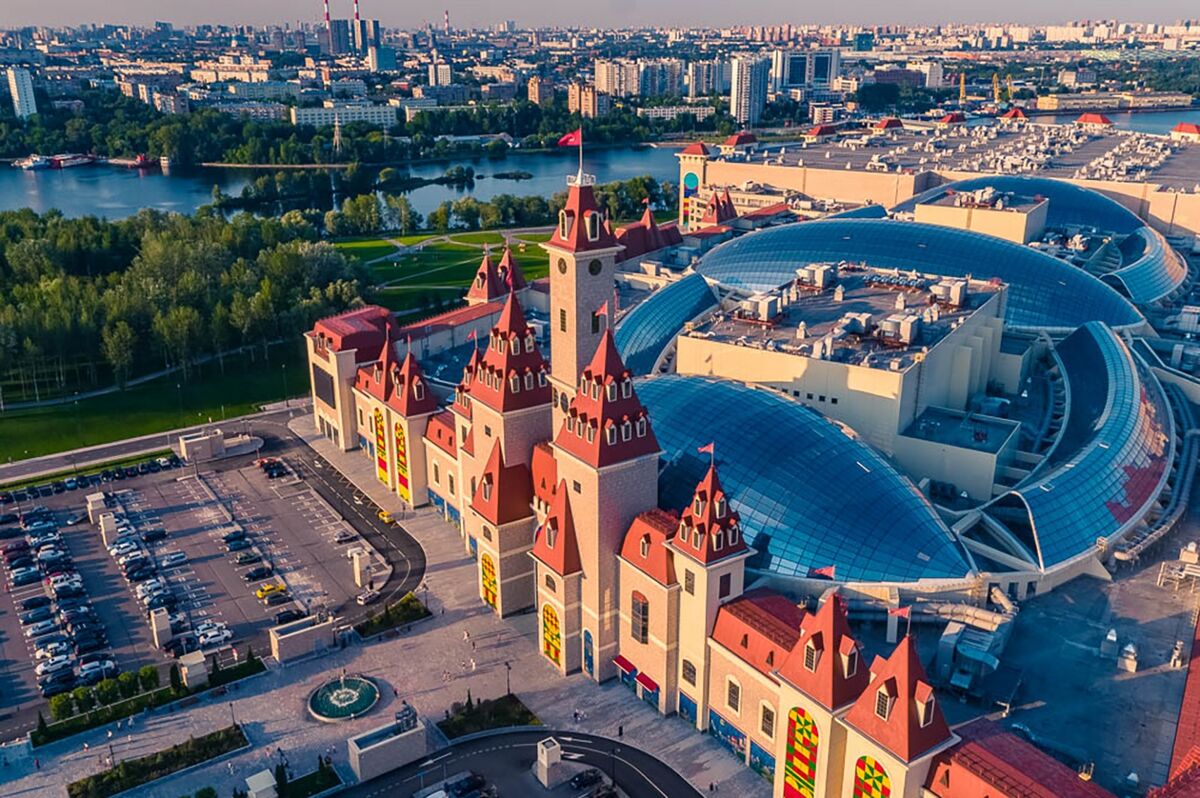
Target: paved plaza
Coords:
[(463, 646)]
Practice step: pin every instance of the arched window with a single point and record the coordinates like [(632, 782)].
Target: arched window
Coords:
[(639, 617), (610, 391), (592, 222), (641, 427), (610, 434), (626, 430), (733, 695), (645, 546), (689, 672), (529, 380), (564, 224), (418, 390), (550, 583), (626, 388)]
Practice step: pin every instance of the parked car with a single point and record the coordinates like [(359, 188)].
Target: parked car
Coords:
[(586, 778), (287, 616), (209, 625), (141, 574), (33, 602), (216, 637), (58, 686), (248, 558), (92, 672), (36, 630), (257, 573), (237, 545), (275, 599), (168, 600), (33, 616), (69, 590), (154, 535), (24, 576), (237, 534), (173, 559), (366, 597), (466, 785), (123, 547), (23, 560), (149, 586), (54, 648), (184, 644), (89, 644), (267, 588), (53, 665), (95, 656)]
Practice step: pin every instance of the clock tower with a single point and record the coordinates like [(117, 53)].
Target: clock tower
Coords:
[(583, 256)]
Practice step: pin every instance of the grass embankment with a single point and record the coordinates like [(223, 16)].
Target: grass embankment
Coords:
[(400, 613), (158, 405), (135, 772), (477, 716), (310, 784), (86, 472)]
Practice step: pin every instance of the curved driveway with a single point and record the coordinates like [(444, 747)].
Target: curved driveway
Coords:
[(638, 773)]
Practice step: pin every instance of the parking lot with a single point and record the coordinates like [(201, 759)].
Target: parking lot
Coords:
[(198, 543)]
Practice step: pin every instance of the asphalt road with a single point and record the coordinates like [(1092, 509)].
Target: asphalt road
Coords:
[(636, 772)]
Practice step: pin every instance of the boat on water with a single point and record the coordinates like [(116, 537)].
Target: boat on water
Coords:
[(32, 162), (69, 160)]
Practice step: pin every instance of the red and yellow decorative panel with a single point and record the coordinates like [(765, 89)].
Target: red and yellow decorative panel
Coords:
[(870, 779), (551, 635), (800, 758), (381, 458), (402, 486), (487, 568)]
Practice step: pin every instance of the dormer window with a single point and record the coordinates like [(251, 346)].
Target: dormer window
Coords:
[(591, 433), (479, 278), (610, 435), (626, 388), (564, 224), (542, 379), (719, 540), (610, 391), (530, 343), (551, 535), (696, 537), (592, 225), (698, 506), (500, 345), (641, 427), (487, 490), (883, 704), (645, 545), (515, 383), (418, 390), (812, 657), (626, 430), (570, 423), (529, 380), (719, 506), (733, 535), (583, 384), (850, 663), (595, 390), (925, 711)]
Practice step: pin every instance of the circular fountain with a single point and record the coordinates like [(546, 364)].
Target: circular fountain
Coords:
[(344, 698)]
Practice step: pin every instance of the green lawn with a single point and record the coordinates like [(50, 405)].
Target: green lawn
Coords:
[(533, 238), (158, 405), (477, 716), (485, 237), (365, 249)]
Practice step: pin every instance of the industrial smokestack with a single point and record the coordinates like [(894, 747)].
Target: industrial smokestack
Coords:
[(327, 24), (446, 15), (356, 10)]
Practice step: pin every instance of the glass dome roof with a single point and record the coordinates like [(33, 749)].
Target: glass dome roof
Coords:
[(825, 499), (645, 332), (1044, 293)]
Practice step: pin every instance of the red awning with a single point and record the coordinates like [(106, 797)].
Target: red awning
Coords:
[(647, 683), (625, 665)]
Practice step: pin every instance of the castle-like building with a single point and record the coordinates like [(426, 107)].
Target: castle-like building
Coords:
[(550, 473)]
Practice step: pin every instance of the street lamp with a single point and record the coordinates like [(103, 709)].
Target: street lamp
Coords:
[(508, 678), (232, 717), (283, 370)]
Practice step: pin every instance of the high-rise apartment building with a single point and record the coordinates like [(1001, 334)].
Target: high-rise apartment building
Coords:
[(381, 59), (707, 77), (339, 36), (808, 69), (587, 101), (748, 92), (618, 78), (661, 77), (440, 74), (20, 86), (540, 91)]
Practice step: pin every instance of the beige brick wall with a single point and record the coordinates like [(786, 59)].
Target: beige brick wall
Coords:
[(657, 657)]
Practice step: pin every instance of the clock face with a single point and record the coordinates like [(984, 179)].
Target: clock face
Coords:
[(691, 182), (562, 265), (595, 267)]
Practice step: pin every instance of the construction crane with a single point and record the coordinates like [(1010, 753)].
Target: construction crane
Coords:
[(1010, 89), (962, 88), (996, 87)]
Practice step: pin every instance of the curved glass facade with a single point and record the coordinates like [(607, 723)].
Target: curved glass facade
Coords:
[(865, 212), (1146, 276), (825, 499), (1112, 458), (648, 328), (1044, 292)]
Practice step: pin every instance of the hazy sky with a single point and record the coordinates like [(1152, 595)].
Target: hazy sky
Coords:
[(607, 13)]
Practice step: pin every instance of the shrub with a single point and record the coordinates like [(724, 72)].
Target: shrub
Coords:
[(84, 699), (206, 792), (176, 679), (148, 677), (128, 684), (108, 691), (62, 706)]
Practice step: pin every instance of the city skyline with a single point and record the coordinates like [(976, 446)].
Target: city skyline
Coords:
[(63, 13)]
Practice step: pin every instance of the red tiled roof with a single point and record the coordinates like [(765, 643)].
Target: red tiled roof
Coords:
[(952, 118), (759, 627), (1185, 783), (1000, 764), (363, 328), (581, 205), (1013, 113), (451, 318), (1187, 127), (504, 492), (646, 236), (412, 396), (710, 231), (704, 528), (487, 285), (510, 273), (1187, 729), (888, 123), (828, 630), (741, 137), (545, 471), (462, 391), (1093, 119), (511, 374), (903, 678), (655, 527), (606, 400), (768, 211), (555, 544), (440, 432), (696, 148), (719, 209), (822, 130)]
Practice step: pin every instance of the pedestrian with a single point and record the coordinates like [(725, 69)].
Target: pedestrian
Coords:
[(37, 763), (466, 634), (85, 748), (710, 787), (395, 693), (472, 664), (472, 645), (620, 731)]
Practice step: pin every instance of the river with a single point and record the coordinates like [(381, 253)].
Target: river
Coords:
[(116, 193)]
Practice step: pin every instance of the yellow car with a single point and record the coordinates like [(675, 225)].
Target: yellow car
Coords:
[(384, 516), (267, 588)]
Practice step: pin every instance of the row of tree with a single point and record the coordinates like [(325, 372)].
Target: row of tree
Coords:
[(159, 290)]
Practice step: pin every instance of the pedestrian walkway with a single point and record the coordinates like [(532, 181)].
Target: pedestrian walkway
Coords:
[(430, 667)]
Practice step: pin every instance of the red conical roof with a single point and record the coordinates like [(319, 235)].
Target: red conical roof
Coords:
[(504, 492), (582, 227), (487, 284), (510, 273), (832, 674), (709, 529), (909, 723), (606, 422), (555, 544), (645, 545), (411, 395), (462, 392), (511, 374)]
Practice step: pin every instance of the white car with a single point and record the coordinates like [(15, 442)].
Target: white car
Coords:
[(35, 630), (123, 546), (51, 650), (54, 665), (173, 559), (103, 666), (60, 580), (137, 554), (150, 586), (204, 627), (215, 637)]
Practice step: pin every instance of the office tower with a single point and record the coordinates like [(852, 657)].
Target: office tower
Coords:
[(789, 69), (339, 36), (440, 74), (20, 86), (381, 59), (748, 92)]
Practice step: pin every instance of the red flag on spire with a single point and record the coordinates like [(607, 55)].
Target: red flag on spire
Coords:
[(708, 448), (901, 612), (572, 139), (602, 311), (823, 573), (472, 335)]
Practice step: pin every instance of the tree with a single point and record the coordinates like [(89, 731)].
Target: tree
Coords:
[(108, 691), (281, 778), (62, 706), (176, 679), (206, 792), (117, 344), (148, 677), (439, 217), (84, 699), (178, 331), (41, 724), (128, 684)]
